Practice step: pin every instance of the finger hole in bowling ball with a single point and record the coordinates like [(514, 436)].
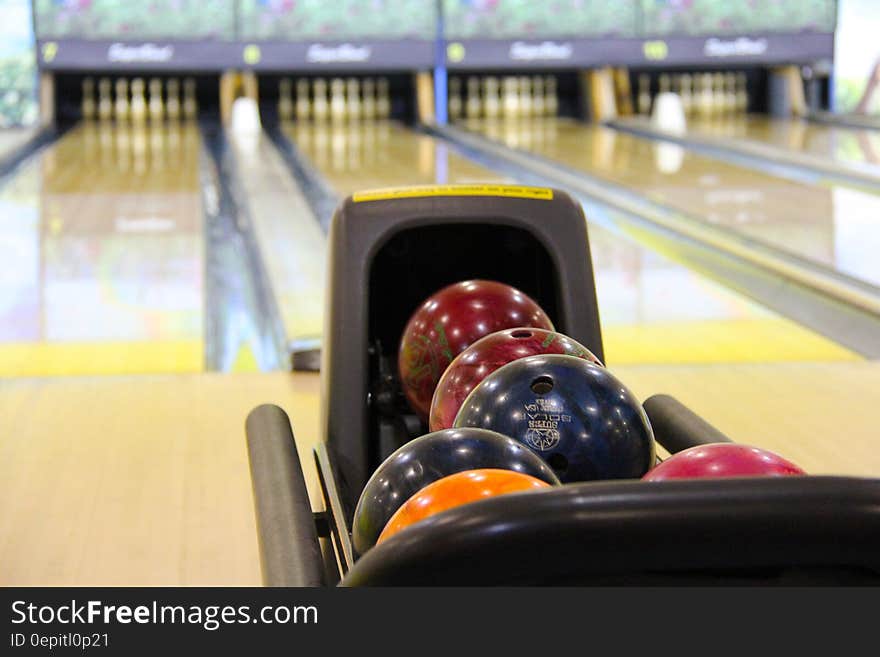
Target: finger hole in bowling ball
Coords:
[(521, 334), (542, 385), (558, 462)]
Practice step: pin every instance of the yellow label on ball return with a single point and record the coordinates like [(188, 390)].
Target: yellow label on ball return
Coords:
[(517, 191)]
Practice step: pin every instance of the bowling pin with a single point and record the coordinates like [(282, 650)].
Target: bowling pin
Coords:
[(285, 100), (157, 109), (664, 83), (320, 108), (105, 100), (337, 99), (369, 99), (719, 97), (551, 100), (138, 105), (303, 105), (122, 105), (644, 98), (730, 92), (172, 99), (704, 98), (190, 104), (538, 108), (525, 96), (383, 99), (510, 103), (353, 98), (742, 93), (89, 107), (491, 100), (454, 104), (687, 94), (473, 106)]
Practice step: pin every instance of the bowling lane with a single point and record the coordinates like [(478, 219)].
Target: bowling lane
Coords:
[(101, 236), (357, 156), (13, 138), (291, 241), (839, 144), (834, 226), (652, 310)]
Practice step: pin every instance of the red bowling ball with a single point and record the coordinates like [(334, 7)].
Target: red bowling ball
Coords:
[(722, 460), (488, 354), (451, 320)]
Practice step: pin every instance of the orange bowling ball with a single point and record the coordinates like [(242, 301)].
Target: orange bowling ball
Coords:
[(455, 490)]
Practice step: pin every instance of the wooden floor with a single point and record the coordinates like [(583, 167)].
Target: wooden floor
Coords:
[(815, 222), (139, 480), (144, 480)]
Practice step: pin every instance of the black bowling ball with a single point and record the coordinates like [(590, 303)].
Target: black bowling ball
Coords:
[(431, 457)]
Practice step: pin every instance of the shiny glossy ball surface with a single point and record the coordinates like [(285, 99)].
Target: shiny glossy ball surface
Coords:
[(431, 457), (488, 354), (456, 490), (583, 421), (718, 460), (451, 320)]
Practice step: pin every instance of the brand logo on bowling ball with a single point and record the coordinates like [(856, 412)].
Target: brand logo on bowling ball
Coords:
[(544, 417)]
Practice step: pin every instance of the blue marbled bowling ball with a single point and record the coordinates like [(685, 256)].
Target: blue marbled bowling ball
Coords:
[(576, 415)]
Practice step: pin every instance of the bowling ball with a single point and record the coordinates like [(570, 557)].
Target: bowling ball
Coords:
[(718, 460), (429, 458), (488, 354), (573, 413), (455, 490), (451, 320)]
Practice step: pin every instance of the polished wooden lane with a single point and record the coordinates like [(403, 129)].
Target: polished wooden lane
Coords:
[(839, 144), (144, 480), (652, 309), (832, 226), (291, 242), (105, 230), (356, 156)]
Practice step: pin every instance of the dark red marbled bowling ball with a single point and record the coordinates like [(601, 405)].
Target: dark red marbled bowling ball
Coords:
[(488, 354), (451, 320)]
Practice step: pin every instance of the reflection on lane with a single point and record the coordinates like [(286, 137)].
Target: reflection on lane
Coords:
[(809, 221), (837, 143), (652, 309), (356, 156), (105, 229)]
